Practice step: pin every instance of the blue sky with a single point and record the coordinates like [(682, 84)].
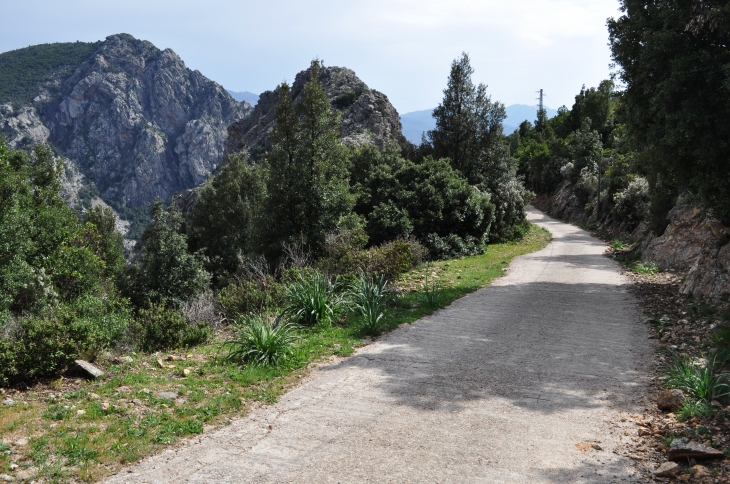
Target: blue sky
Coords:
[(400, 47)]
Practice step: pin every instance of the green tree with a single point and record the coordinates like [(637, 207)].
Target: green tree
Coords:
[(223, 221), (164, 272), (55, 286), (110, 246), (468, 124), (46, 253), (429, 200), (469, 132), (307, 188), (675, 64), (598, 105)]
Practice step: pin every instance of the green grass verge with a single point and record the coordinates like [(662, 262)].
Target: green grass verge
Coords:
[(78, 430)]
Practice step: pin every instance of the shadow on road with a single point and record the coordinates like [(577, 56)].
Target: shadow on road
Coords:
[(545, 347)]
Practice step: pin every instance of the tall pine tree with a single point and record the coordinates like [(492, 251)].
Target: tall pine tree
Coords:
[(307, 189), (469, 132)]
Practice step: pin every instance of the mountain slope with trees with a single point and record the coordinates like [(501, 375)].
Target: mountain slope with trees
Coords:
[(132, 119)]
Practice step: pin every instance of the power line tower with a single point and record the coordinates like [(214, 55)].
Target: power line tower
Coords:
[(541, 115)]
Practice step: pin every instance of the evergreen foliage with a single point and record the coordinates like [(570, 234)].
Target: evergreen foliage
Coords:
[(109, 247), (431, 201), (164, 271), (469, 133), (24, 71), (307, 184), (223, 220), (675, 65), (57, 298)]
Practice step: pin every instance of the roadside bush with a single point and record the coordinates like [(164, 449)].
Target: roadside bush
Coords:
[(510, 220), (164, 271), (390, 259), (43, 344), (312, 300), (8, 363), (400, 198), (248, 296), (633, 202), (160, 328), (261, 342), (587, 184)]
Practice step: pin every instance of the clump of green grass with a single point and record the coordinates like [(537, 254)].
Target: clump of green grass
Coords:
[(693, 409), (261, 342), (720, 340), (701, 382), (658, 323), (431, 292), (645, 268), (618, 244), (699, 309), (368, 299), (312, 300)]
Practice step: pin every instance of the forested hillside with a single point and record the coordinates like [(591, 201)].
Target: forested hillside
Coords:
[(25, 72)]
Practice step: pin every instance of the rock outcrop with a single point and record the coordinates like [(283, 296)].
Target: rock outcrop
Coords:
[(367, 115), (563, 204), (134, 119), (695, 243)]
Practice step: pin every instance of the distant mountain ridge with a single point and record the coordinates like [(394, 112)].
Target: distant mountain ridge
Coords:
[(246, 96), (418, 122), (133, 122)]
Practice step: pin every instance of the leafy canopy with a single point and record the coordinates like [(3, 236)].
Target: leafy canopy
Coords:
[(675, 63)]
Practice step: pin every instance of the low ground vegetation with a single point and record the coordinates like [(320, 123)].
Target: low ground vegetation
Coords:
[(65, 428), (279, 264), (692, 355)]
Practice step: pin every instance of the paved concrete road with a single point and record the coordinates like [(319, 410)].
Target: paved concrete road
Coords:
[(498, 387)]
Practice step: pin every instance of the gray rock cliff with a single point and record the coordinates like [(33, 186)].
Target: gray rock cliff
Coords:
[(133, 119)]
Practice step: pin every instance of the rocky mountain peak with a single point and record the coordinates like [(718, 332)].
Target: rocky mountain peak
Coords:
[(367, 115), (134, 120)]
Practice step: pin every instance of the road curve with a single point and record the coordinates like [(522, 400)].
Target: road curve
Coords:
[(506, 385)]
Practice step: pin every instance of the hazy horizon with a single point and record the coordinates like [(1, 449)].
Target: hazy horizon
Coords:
[(402, 48)]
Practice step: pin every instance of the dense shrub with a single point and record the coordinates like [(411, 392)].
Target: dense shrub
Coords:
[(159, 328), (164, 272), (393, 258), (633, 202), (108, 244), (400, 198), (509, 197), (44, 343), (8, 362), (587, 184), (222, 222), (58, 301), (250, 296)]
